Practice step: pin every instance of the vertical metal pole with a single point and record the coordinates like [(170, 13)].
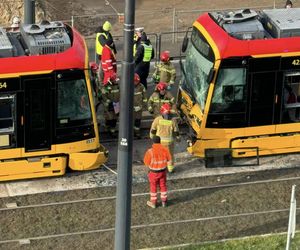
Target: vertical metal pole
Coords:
[(292, 219), (123, 202), (29, 11), (174, 16)]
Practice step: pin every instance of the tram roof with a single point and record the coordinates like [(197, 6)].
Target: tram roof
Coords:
[(73, 57), (225, 46)]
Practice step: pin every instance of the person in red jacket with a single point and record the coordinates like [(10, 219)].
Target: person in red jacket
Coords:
[(108, 63), (157, 159)]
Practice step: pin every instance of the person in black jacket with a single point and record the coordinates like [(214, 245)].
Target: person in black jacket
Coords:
[(144, 54)]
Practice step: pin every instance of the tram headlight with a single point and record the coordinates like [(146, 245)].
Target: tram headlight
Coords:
[(189, 143)]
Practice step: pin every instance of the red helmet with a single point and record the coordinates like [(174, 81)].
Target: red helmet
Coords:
[(136, 79), (165, 109), (161, 86), (165, 56), (94, 66)]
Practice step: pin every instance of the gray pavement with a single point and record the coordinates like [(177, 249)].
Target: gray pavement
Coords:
[(186, 166)]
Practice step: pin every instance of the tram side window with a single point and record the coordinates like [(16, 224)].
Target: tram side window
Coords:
[(228, 105), (73, 101), (230, 91), (7, 119), (291, 98)]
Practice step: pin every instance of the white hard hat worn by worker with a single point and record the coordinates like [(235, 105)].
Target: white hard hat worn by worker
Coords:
[(139, 29), (106, 26), (16, 22)]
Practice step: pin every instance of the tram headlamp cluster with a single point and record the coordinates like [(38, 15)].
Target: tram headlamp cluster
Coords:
[(183, 101), (198, 121)]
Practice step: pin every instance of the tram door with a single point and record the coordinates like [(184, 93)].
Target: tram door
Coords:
[(262, 98), (37, 114)]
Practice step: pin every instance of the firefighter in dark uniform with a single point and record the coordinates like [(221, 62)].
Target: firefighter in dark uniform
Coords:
[(111, 101), (143, 56), (166, 128), (165, 70), (95, 83), (159, 97), (139, 104)]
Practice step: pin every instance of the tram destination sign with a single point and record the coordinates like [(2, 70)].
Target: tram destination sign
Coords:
[(9, 84), (290, 63)]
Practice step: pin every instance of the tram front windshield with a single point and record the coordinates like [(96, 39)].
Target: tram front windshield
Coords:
[(197, 66), (73, 102)]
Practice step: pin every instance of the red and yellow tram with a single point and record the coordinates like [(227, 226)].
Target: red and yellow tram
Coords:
[(47, 114)]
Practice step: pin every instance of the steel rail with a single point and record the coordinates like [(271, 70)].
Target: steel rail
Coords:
[(142, 226), (145, 194)]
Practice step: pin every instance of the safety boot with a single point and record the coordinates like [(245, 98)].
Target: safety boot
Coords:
[(113, 133), (150, 204), (137, 134)]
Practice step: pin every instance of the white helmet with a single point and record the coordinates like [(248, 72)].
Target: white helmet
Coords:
[(16, 21)]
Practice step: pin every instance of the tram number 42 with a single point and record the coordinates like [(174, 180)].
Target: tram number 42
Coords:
[(3, 85), (296, 62)]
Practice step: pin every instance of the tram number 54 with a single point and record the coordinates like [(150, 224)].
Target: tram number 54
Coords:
[(296, 62), (3, 85)]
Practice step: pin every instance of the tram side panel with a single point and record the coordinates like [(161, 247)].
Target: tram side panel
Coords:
[(47, 118)]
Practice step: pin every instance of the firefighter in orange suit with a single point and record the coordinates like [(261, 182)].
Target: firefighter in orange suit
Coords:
[(159, 97), (166, 128), (157, 159), (139, 104), (108, 62)]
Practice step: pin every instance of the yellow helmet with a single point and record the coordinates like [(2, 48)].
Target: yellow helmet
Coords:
[(106, 26)]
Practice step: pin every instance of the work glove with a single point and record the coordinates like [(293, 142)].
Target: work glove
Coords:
[(137, 108), (155, 78)]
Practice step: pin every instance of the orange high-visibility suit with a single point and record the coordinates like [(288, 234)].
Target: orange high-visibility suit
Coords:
[(157, 159)]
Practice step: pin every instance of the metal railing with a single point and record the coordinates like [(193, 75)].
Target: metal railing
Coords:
[(160, 42)]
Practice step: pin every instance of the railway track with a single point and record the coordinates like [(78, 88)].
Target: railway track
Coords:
[(214, 208)]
